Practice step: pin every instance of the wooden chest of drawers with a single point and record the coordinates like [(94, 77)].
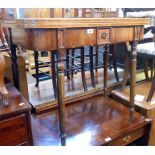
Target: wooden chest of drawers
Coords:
[(15, 127)]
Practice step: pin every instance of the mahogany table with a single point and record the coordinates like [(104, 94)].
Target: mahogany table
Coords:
[(62, 33)]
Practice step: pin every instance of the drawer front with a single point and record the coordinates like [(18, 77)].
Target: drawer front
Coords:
[(79, 37), (13, 131), (33, 39), (128, 138), (103, 36)]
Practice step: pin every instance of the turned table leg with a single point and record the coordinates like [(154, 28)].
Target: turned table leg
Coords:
[(92, 66), (36, 55), (53, 71), (60, 84), (106, 56), (3, 90), (61, 104), (133, 63)]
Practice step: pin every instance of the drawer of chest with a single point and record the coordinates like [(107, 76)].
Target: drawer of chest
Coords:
[(103, 36), (13, 131), (128, 138)]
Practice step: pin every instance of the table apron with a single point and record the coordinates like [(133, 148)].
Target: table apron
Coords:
[(47, 39)]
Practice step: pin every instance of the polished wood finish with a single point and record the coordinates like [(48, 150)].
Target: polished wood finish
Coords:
[(36, 67), (73, 22), (53, 71), (25, 39), (17, 131), (15, 127), (3, 90), (92, 66), (35, 38), (141, 105), (94, 121), (133, 75), (71, 37), (60, 84), (106, 56), (24, 32)]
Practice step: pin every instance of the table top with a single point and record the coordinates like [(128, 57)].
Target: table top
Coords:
[(72, 22), (88, 122)]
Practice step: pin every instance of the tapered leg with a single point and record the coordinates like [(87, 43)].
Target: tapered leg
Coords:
[(14, 62), (72, 61), (133, 63), (96, 58), (91, 66), (61, 102), (67, 63), (106, 57), (113, 49), (110, 56), (53, 71), (36, 67), (83, 69)]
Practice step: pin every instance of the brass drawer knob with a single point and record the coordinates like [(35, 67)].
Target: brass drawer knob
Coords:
[(103, 35), (126, 138)]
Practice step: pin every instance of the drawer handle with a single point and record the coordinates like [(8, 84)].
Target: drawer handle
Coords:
[(103, 35), (127, 138)]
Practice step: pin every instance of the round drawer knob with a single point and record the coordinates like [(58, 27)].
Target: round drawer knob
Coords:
[(103, 35)]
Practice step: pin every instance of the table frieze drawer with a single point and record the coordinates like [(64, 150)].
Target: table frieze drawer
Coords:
[(128, 138), (13, 131), (103, 36), (79, 37)]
